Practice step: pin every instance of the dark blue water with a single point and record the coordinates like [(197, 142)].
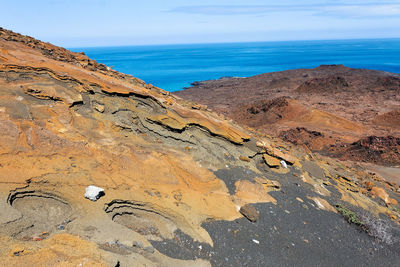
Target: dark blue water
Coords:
[(173, 67)]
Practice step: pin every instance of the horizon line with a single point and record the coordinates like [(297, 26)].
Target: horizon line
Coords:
[(236, 42)]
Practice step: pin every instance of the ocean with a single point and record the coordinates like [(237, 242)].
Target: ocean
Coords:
[(173, 67)]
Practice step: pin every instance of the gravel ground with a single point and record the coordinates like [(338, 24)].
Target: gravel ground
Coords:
[(290, 233)]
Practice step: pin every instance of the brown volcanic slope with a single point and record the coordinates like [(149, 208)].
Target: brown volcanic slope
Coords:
[(341, 104), (175, 176)]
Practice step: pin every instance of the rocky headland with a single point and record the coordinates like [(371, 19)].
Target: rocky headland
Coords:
[(182, 185)]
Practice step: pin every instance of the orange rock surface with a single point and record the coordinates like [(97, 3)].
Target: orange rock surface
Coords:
[(68, 122)]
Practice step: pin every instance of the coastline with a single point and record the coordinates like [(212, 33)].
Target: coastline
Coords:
[(173, 67)]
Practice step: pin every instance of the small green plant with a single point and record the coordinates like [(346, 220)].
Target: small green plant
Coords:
[(341, 166), (372, 225), (349, 215)]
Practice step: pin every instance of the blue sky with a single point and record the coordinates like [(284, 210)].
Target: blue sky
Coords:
[(74, 23)]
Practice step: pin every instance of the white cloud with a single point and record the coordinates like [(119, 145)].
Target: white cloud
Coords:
[(362, 10), (337, 8), (224, 10)]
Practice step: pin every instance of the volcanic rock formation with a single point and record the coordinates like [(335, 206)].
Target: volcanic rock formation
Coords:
[(174, 174), (343, 105)]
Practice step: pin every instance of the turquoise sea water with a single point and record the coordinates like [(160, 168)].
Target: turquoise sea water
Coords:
[(173, 67)]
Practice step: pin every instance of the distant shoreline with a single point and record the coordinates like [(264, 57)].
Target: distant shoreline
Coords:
[(173, 67)]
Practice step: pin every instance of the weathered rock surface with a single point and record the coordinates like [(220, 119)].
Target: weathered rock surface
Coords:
[(374, 149), (329, 106), (172, 174)]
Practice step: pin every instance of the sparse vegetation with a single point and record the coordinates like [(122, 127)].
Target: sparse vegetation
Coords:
[(349, 215), (372, 225), (378, 228), (341, 166)]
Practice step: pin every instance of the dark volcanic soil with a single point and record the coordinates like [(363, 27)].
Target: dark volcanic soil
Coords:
[(341, 104), (293, 233)]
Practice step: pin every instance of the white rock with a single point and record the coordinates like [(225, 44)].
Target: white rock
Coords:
[(93, 192), (283, 163)]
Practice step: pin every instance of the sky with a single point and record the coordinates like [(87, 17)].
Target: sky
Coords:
[(84, 23)]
